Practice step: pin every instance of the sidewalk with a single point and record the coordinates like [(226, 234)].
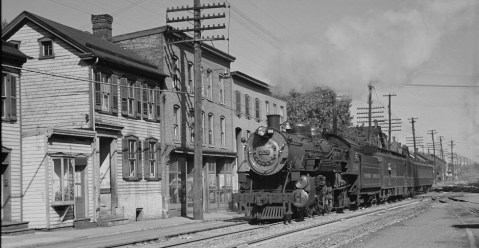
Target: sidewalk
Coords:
[(58, 236)]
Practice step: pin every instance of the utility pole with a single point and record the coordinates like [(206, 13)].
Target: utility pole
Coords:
[(389, 118), (432, 132), (442, 157), (370, 103), (452, 158), (414, 135), (198, 128)]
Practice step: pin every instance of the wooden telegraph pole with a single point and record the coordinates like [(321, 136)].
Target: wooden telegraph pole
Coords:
[(197, 39), (413, 120), (432, 132), (389, 119)]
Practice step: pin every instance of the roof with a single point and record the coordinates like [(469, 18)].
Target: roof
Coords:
[(84, 42), (250, 79), (10, 49), (164, 29)]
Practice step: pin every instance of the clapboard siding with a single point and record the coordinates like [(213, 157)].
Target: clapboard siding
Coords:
[(35, 193), (50, 101), (11, 139)]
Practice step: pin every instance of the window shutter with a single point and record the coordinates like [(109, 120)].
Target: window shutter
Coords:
[(6, 94), (138, 99), (13, 98), (124, 96), (114, 93), (145, 101), (139, 160), (238, 102), (125, 162), (146, 164), (97, 91), (158, 104)]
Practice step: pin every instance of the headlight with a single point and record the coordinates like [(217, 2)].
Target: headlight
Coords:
[(261, 131)]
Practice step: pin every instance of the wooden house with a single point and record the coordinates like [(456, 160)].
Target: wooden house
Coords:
[(91, 129)]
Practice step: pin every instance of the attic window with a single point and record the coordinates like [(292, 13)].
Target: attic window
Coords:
[(46, 48)]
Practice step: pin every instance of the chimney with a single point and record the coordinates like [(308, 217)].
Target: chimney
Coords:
[(102, 26)]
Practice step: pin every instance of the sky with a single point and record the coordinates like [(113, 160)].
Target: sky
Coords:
[(426, 52)]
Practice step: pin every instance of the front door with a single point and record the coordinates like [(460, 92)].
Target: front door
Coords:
[(80, 206), (224, 182), (105, 176), (211, 186)]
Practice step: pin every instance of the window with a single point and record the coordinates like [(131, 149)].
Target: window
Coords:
[(176, 72), (106, 92), (176, 123), (221, 94), (131, 98), (192, 126), (222, 131), (9, 97), (238, 102), (191, 78), (203, 126), (46, 48), (247, 105), (210, 85), (257, 109), (275, 111), (148, 102), (62, 179), (267, 107), (210, 130), (15, 43), (281, 112), (131, 150), (152, 165)]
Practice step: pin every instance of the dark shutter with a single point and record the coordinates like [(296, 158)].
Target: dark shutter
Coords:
[(238, 102), (146, 145), (138, 99), (124, 96), (125, 162), (145, 101), (114, 94), (159, 168), (158, 104), (5, 93), (139, 159), (13, 98), (97, 91)]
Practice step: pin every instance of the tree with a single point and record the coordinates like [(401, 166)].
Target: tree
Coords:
[(316, 108), (4, 23)]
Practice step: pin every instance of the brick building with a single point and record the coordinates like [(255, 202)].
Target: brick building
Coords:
[(91, 126), (177, 61), (253, 101)]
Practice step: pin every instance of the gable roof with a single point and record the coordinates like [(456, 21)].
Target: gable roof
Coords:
[(9, 49), (85, 42)]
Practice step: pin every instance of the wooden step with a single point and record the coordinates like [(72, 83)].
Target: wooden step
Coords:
[(20, 231), (112, 220), (15, 228)]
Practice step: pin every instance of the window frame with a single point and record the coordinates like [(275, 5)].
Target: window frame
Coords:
[(221, 93), (223, 131), (151, 159), (257, 105), (176, 123), (238, 102), (247, 100), (42, 42), (130, 156), (9, 97), (211, 129), (70, 181)]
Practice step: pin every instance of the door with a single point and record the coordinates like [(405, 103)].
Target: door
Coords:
[(105, 176), (211, 186), (5, 187), (224, 182), (80, 199)]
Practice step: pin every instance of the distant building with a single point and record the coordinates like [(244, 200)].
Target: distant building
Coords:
[(11, 180)]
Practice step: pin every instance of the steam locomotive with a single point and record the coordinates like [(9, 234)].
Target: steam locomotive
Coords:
[(296, 171)]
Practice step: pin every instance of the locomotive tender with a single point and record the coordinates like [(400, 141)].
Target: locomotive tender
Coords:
[(295, 171)]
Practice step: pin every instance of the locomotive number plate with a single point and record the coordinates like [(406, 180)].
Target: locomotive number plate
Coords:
[(263, 152)]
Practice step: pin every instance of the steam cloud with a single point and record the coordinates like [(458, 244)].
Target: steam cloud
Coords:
[(387, 47)]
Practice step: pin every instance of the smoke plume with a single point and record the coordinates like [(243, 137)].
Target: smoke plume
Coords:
[(385, 47)]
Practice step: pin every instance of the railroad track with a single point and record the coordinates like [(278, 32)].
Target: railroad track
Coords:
[(269, 238), (157, 242)]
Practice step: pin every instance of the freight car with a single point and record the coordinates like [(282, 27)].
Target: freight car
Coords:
[(296, 171)]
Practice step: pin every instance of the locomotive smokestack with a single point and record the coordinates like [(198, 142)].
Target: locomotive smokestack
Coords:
[(273, 121)]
